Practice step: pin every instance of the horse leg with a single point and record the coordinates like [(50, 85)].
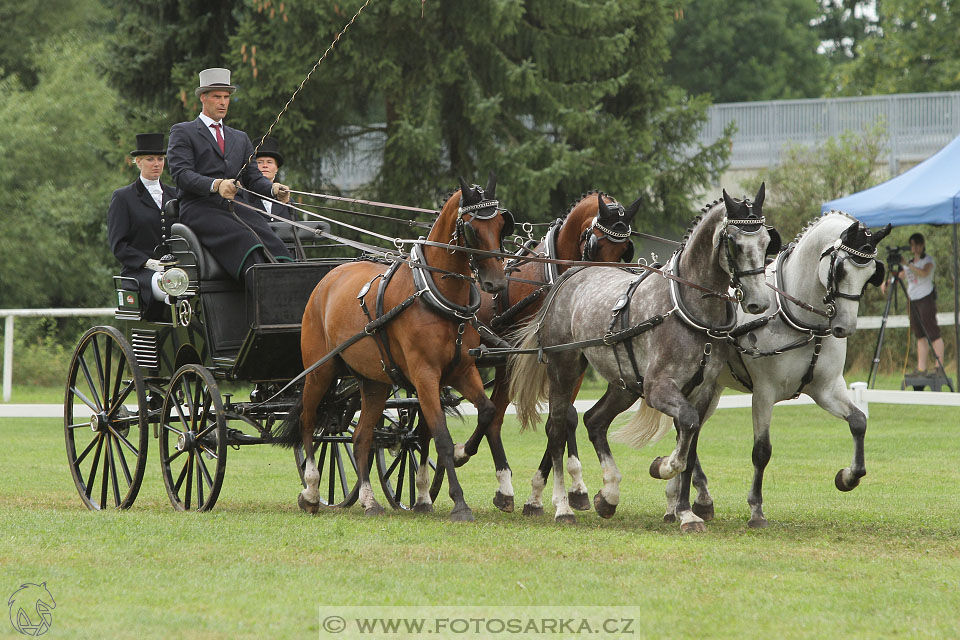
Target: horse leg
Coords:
[(690, 522), (373, 399), (577, 496), (534, 504), (314, 388), (597, 420), (503, 499), (762, 411), (834, 399), (424, 503), (703, 504), (556, 440), (427, 384)]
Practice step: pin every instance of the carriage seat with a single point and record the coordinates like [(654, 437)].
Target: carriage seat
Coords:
[(286, 232), (207, 265)]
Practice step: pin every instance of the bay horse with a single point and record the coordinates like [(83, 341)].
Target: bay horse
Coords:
[(801, 346), (657, 346), (595, 229), (424, 345)]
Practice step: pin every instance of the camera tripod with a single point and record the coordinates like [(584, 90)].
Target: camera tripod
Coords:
[(893, 282)]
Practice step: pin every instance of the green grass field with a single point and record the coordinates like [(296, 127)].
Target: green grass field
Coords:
[(881, 561)]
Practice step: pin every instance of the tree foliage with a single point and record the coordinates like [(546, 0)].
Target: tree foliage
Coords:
[(915, 49), (743, 50)]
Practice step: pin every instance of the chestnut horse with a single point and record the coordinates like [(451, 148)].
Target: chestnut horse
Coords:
[(597, 228), (424, 346)]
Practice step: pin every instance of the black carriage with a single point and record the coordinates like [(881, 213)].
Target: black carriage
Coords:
[(163, 378)]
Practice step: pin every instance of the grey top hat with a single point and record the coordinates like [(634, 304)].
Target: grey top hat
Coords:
[(149, 144), (215, 79)]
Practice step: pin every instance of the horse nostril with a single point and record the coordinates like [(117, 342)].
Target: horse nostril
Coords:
[(839, 332), (753, 308)]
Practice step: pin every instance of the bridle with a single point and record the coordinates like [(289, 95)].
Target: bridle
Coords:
[(589, 240), (836, 271), (483, 210), (727, 239)]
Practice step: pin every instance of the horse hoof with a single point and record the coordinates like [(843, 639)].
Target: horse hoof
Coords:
[(502, 502), (566, 518), (704, 511), (757, 523), (843, 486), (308, 507), (693, 527), (670, 517), (373, 511), (532, 510), (603, 508), (462, 514), (578, 501), (423, 507), (655, 468)]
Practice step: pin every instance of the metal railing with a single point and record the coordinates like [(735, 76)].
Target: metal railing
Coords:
[(917, 125)]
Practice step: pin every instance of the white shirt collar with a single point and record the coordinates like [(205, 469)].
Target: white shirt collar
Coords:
[(207, 120), (150, 183)]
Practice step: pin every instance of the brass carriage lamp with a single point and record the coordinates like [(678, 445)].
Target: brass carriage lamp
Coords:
[(174, 282)]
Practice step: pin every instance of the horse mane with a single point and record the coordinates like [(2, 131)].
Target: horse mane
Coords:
[(815, 221), (583, 196), (697, 220)]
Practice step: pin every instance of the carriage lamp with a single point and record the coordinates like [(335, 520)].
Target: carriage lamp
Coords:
[(174, 282)]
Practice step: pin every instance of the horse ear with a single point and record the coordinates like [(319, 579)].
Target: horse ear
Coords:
[(850, 232), (464, 188), (758, 201), (878, 275), (491, 185), (633, 208), (880, 235), (602, 210), (729, 202)]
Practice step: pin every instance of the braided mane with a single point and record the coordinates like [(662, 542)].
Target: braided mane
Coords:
[(699, 218), (815, 221)]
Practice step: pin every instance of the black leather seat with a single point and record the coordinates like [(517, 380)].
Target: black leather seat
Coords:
[(208, 266)]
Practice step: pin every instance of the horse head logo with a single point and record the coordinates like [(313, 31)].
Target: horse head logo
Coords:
[(30, 607)]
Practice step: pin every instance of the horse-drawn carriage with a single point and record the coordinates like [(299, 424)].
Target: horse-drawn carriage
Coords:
[(164, 378)]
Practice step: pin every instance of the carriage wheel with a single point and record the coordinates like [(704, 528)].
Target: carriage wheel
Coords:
[(107, 462), (397, 465), (193, 438), (339, 481)]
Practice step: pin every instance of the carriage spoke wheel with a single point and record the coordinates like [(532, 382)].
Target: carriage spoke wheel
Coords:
[(398, 465), (193, 439), (339, 481), (106, 436)]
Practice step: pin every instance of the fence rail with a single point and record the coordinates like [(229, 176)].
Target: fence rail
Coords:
[(918, 125)]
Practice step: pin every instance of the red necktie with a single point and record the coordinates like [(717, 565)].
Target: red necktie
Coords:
[(216, 128)]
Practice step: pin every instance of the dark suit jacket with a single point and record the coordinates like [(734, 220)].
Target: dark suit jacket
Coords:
[(195, 161), (134, 227)]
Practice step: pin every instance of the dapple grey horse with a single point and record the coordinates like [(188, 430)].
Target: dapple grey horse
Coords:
[(801, 346), (658, 345)]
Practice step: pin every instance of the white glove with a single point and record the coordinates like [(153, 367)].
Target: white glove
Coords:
[(153, 265), (227, 189), (281, 192)]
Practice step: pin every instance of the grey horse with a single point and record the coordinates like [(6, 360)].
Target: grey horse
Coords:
[(801, 346), (647, 335)]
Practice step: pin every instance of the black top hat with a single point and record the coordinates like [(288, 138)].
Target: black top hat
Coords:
[(149, 144), (270, 148)]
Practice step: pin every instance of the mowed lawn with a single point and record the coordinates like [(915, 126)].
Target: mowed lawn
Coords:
[(880, 561)]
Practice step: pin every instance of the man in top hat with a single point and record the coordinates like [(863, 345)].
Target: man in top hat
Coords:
[(269, 161), (206, 158), (136, 222)]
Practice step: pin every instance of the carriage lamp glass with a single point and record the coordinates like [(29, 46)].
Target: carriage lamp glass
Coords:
[(174, 282)]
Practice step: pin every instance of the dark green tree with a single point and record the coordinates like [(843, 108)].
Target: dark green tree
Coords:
[(742, 50), (842, 27), (916, 49)]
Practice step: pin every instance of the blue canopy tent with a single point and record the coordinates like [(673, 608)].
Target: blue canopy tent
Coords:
[(929, 193)]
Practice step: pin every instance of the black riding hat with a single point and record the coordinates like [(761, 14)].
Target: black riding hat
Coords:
[(149, 144), (270, 148)]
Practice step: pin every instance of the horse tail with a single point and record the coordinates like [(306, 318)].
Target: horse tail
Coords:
[(288, 433), (645, 427), (528, 378)]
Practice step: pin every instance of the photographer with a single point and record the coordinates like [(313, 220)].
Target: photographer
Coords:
[(918, 273)]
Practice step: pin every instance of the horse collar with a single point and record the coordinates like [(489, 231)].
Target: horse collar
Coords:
[(784, 310), (721, 331), (551, 271), (432, 297)]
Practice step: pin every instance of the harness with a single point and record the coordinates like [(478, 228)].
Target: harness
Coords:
[(812, 332)]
